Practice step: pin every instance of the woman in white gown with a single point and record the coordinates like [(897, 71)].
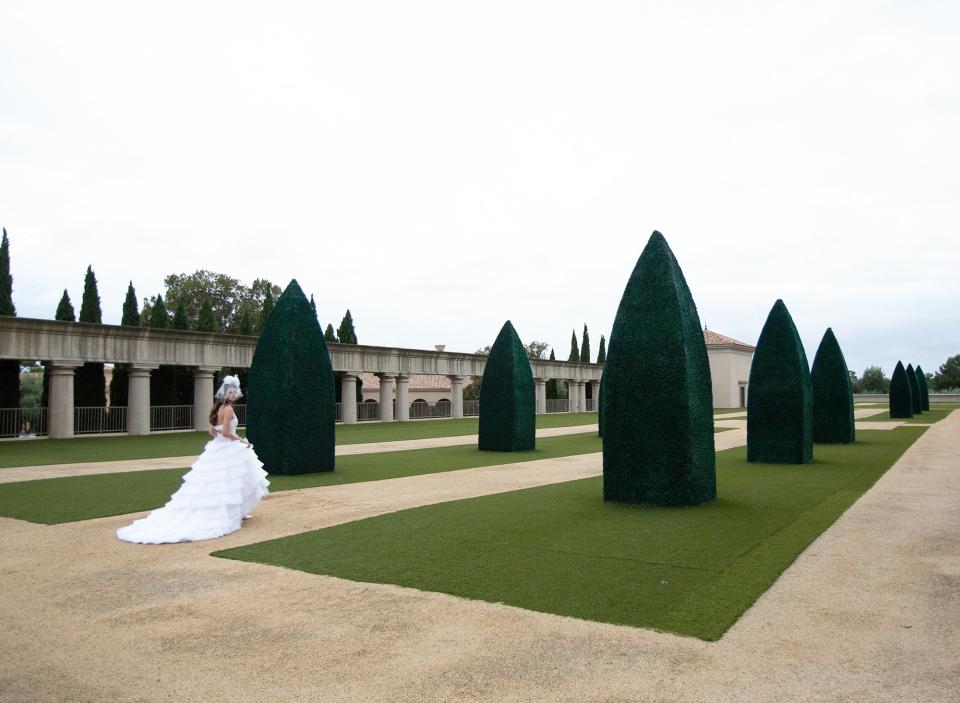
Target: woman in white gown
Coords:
[(224, 484)]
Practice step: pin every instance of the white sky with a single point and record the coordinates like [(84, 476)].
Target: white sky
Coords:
[(441, 167)]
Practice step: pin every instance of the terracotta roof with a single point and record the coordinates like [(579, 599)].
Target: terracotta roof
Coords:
[(711, 337)]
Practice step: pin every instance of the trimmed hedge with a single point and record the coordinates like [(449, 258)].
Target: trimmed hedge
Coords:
[(600, 408), (901, 400), (916, 403), (291, 415), (656, 396), (780, 396), (508, 404), (832, 394), (924, 389)]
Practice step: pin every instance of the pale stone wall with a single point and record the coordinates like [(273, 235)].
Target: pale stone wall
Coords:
[(729, 370)]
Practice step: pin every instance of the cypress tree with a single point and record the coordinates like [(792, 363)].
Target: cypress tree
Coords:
[(901, 401), (602, 352), (245, 324), (292, 378), (329, 335), (656, 395), (346, 332), (832, 394), (313, 306), (552, 391), (780, 402), (131, 316), (6, 280), (916, 402), (120, 380), (924, 389), (585, 346), (65, 309), (507, 397), (205, 319), (9, 369), (265, 311), (90, 305), (574, 351), (159, 317), (180, 320), (163, 381)]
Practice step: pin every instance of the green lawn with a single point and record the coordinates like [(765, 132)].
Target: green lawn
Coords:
[(727, 411), (38, 452), (561, 549), (937, 412)]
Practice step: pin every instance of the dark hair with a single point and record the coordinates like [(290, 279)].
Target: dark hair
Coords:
[(215, 411)]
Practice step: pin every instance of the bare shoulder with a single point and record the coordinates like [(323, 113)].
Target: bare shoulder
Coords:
[(226, 413)]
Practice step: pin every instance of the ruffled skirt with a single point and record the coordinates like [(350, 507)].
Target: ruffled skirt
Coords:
[(222, 486)]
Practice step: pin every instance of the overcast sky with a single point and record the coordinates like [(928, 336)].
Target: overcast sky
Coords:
[(441, 167)]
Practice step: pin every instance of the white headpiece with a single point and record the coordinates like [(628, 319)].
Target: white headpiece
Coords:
[(230, 383)]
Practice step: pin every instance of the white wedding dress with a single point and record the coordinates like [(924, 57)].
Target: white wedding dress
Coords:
[(224, 484)]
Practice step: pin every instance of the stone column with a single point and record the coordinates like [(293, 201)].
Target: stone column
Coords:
[(348, 398), (403, 397), (386, 396), (456, 393), (573, 397), (202, 396), (60, 400), (582, 394), (595, 392), (138, 400), (540, 388)]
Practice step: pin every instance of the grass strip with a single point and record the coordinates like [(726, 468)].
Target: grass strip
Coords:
[(39, 452), (928, 417), (560, 549)]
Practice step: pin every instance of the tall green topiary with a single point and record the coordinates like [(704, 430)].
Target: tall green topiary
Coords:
[(832, 394), (901, 399), (600, 408), (916, 402), (9, 369), (656, 395), (780, 400), (924, 389), (290, 382), (507, 399)]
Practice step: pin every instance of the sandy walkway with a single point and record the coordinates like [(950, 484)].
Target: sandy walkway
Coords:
[(868, 612)]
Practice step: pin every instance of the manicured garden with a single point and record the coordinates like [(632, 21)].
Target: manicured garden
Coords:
[(937, 412), (561, 549)]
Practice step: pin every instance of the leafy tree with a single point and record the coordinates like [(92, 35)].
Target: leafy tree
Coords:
[(602, 352), (205, 319), (329, 335), (585, 346), (65, 309), (536, 349), (180, 321), (6, 280), (9, 369), (854, 381), (346, 332), (948, 375), (245, 323), (90, 305), (483, 352), (265, 310), (131, 316), (226, 294), (574, 351), (873, 381), (31, 387)]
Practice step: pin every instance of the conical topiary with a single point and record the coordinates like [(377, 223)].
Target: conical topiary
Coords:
[(290, 383), (916, 403), (832, 394), (924, 389), (600, 409), (656, 397), (780, 396), (507, 399), (901, 400)]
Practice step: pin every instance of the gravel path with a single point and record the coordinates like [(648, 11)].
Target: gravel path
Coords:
[(870, 611)]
